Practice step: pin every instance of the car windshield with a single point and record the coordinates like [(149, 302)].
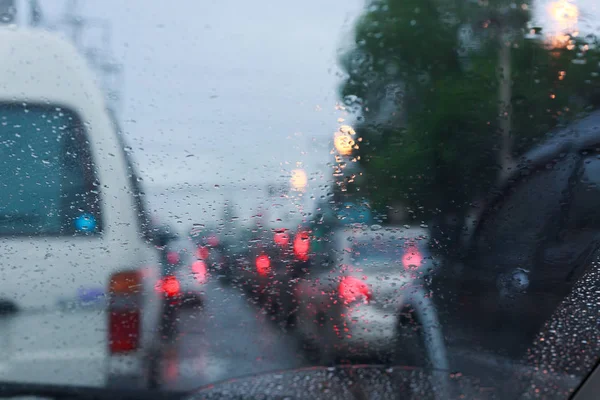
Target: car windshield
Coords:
[(382, 198)]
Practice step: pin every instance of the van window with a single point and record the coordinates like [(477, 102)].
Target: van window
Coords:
[(48, 185)]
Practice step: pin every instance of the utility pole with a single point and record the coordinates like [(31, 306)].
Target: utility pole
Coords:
[(99, 55), (503, 21), (505, 158), (74, 22)]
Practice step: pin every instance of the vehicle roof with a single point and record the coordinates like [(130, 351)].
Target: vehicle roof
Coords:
[(576, 136), (40, 66), (579, 135)]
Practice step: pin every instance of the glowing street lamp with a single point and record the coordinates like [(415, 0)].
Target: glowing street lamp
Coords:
[(299, 179), (565, 16), (343, 144), (343, 141)]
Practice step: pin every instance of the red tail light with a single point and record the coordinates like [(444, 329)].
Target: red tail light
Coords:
[(173, 257), (263, 265), (202, 253), (352, 289), (169, 285), (124, 328), (281, 238), (199, 271), (302, 245), (124, 319), (213, 241), (412, 258)]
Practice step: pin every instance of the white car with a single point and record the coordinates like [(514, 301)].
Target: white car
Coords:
[(79, 269), (372, 302), (185, 271)]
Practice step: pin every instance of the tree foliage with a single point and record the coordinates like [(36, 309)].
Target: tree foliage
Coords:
[(423, 79)]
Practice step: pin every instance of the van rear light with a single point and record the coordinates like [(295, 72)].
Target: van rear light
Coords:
[(124, 311), (124, 328), (125, 283)]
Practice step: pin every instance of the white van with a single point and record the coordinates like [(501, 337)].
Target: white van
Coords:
[(78, 268)]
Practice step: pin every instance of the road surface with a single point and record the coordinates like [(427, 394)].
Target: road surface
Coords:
[(230, 337), (225, 338)]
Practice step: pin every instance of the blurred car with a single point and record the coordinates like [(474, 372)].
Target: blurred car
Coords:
[(372, 301), (79, 267), (522, 260), (281, 260), (310, 247), (264, 257), (210, 248), (184, 272)]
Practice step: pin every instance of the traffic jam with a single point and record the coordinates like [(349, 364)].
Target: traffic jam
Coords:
[(192, 254), (330, 288)]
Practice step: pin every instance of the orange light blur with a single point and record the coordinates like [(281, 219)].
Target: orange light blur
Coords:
[(564, 16), (343, 143), (125, 282)]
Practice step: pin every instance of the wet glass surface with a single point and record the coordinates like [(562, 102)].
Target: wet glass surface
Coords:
[(341, 199)]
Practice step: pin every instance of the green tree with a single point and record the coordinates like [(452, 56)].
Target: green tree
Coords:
[(425, 80)]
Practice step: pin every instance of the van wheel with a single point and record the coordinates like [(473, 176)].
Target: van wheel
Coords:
[(153, 378)]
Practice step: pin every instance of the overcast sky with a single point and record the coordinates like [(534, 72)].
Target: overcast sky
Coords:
[(218, 91), (232, 91), (222, 91)]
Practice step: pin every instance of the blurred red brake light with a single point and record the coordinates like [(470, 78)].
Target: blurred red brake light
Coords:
[(263, 265), (213, 241), (124, 319), (199, 271), (202, 253), (281, 238), (302, 245), (173, 257), (412, 258), (352, 289), (169, 285)]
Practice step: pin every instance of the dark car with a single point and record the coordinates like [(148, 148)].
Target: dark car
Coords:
[(211, 248), (534, 239)]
